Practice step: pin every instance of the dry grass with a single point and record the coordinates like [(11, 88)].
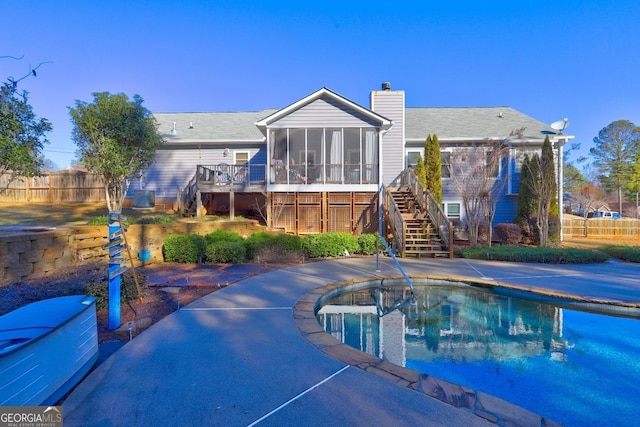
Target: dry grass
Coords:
[(596, 243), (55, 215)]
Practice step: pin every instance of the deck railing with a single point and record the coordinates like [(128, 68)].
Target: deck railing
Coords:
[(225, 174), (431, 206), (396, 222)]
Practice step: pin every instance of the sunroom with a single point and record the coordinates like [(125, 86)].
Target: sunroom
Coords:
[(323, 164)]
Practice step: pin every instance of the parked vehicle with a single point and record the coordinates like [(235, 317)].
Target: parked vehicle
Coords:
[(606, 214)]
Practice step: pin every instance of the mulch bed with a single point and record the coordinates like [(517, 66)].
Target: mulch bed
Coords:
[(193, 280)]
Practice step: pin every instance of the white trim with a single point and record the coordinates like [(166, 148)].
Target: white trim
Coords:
[(323, 92), (236, 152), (316, 187)]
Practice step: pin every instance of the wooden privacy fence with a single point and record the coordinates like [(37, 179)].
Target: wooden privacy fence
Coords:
[(66, 186), (624, 228)]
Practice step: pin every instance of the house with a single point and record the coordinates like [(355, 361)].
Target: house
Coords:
[(319, 164)]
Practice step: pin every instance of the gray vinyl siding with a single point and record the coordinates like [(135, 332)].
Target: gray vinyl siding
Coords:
[(174, 167), (390, 104), (324, 112)]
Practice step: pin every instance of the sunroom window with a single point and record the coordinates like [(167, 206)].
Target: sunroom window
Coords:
[(324, 155)]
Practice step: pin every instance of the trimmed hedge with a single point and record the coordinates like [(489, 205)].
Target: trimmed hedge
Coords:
[(184, 248), (534, 254), (625, 253), (225, 252), (367, 243), (257, 241), (224, 236), (330, 244)]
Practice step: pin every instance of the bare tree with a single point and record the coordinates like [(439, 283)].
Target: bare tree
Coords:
[(476, 178), (585, 196)]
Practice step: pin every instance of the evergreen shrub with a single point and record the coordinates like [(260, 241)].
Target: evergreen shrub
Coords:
[(221, 252), (545, 255), (330, 244), (184, 248), (367, 243), (224, 236)]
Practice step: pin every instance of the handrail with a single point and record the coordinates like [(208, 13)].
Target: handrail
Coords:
[(226, 174), (395, 219), (393, 257), (187, 192), (431, 206)]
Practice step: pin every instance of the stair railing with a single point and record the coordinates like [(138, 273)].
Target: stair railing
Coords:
[(189, 192), (431, 206), (394, 220)]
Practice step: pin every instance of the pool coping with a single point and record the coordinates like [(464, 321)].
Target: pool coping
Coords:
[(483, 405)]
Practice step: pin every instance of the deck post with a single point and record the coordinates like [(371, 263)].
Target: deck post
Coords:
[(198, 204), (232, 205)]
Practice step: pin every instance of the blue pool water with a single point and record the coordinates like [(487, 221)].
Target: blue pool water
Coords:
[(577, 368)]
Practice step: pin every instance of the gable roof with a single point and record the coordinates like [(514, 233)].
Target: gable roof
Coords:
[(319, 94), (449, 123), (471, 123)]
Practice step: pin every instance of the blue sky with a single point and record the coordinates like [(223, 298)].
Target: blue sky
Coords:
[(549, 60)]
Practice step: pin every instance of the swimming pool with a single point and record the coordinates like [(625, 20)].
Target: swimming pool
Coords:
[(547, 355)]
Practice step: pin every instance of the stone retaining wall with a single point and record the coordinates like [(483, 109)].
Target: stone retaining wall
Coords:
[(35, 252)]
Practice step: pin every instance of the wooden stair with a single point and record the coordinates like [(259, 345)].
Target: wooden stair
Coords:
[(421, 239)]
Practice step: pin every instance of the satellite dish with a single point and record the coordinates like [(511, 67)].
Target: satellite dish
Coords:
[(560, 125)]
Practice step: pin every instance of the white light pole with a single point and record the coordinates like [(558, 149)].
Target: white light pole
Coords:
[(560, 126)]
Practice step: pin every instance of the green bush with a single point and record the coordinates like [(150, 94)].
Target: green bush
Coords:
[(221, 252), (367, 243), (287, 242), (261, 240), (534, 254), (156, 219), (224, 236), (99, 220), (330, 244), (184, 248), (256, 241), (626, 253)]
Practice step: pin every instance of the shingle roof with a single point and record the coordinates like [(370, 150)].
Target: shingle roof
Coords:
[(468, 123), (233, 126), (471, 123)]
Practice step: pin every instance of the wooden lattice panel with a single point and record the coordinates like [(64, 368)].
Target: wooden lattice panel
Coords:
[(340, 219), (283, 198), (309, 219), (285, 218), (364, 198), (365, 219), (339, 198), (309, 198)]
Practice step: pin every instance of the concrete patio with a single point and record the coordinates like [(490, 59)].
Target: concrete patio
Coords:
[(248, 354)]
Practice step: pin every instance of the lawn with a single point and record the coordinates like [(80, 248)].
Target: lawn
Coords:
[(55, 215)]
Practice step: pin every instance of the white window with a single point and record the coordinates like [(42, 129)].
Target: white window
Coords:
[(241, 158), (452, 210), (412, 158)]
